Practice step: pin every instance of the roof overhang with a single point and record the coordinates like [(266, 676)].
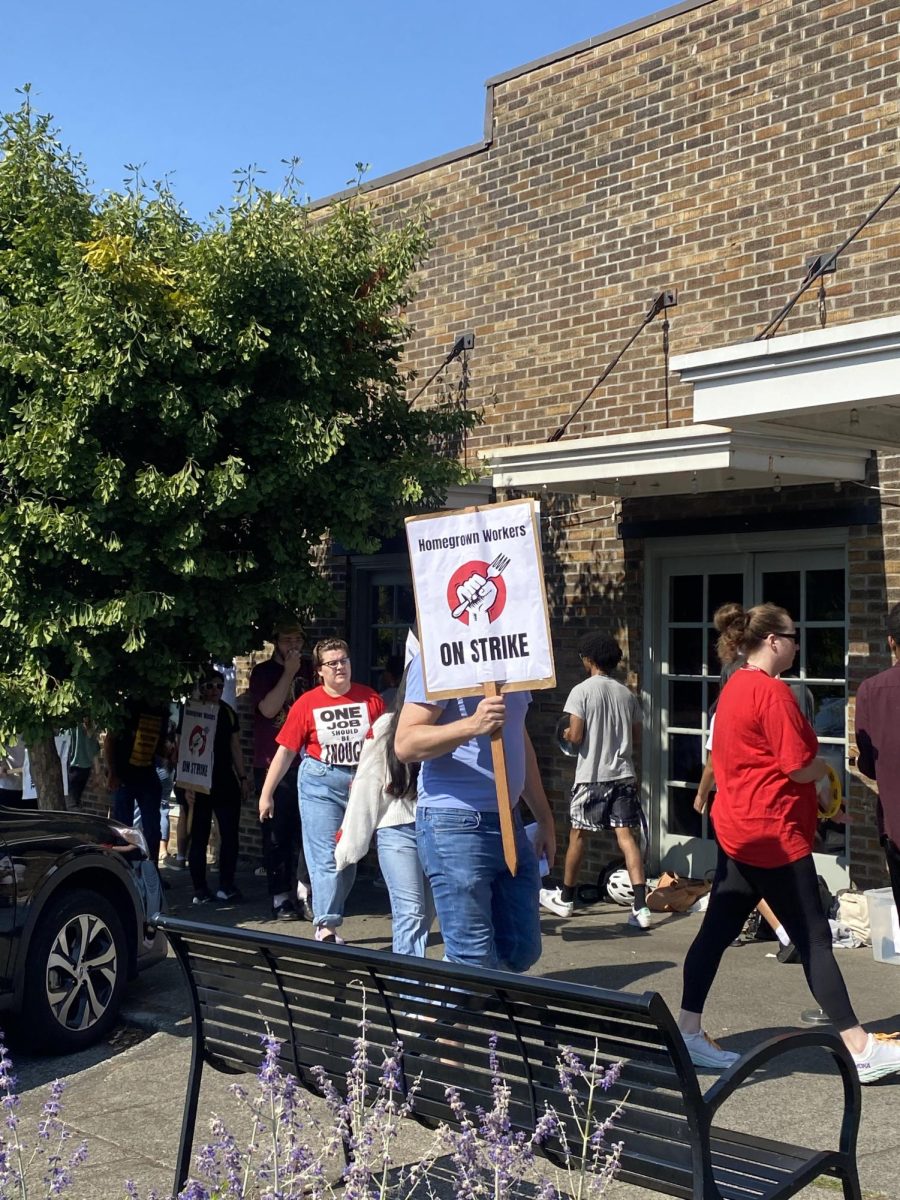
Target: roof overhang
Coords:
[(840, 383), (468, 495), (665, 462)]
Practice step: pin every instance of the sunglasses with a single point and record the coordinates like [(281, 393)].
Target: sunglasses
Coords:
[(213, 684), (795, 637)]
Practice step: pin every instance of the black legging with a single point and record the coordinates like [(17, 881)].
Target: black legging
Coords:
[(793, 893), (226, 804)]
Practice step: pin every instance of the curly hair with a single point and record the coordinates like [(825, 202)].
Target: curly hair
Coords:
[(601, 650), (741, 631)]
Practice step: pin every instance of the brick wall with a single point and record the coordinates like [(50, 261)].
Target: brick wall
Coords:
[(713, 151)]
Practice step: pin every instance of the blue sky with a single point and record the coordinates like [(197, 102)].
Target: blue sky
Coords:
[(197, 88)]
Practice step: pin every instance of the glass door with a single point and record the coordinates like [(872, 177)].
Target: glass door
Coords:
[(692, 590), (684, 668)]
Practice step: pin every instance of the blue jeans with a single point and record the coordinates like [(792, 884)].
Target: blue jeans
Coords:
[(488, 917), (143, 792), (412, 905), (323, 793)]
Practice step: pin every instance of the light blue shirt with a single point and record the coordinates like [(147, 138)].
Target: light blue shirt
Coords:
[(464, 778)]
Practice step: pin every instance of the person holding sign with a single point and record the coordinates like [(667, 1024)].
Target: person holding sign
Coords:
[(130, 749), (329, 723), (489, 917), (228, 785)]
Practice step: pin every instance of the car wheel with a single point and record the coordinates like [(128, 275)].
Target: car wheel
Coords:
[(75, 973)]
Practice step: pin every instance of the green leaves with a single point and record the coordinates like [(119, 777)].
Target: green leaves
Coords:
[(186, 414)]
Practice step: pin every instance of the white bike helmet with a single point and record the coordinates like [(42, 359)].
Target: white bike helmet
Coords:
[(619, 889)]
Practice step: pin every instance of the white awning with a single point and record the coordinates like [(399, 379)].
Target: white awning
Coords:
[(841, 382), (689, 458), (468, 495)]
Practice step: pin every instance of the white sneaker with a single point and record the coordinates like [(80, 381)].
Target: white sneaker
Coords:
[(640, 917), (880, 1057), (705, 1052), (324, 933), (551, 899)]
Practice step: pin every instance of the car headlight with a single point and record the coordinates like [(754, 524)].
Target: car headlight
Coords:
[(134, 837)]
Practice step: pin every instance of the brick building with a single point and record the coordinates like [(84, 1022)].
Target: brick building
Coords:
[(713, 148)]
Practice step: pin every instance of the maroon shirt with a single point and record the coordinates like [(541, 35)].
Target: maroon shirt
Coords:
[(878, 744), (263, 678)]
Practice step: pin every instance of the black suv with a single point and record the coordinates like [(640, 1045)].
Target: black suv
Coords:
[(75, 891)]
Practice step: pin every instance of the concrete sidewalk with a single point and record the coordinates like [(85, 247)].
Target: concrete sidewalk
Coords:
[(129, 1106)]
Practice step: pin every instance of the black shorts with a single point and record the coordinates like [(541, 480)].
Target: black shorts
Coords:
[(610, 805)]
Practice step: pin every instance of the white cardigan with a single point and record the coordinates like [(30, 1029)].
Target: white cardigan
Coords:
[(371, 806)]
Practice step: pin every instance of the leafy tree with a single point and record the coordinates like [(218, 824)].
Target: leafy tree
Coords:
[(187, 413)]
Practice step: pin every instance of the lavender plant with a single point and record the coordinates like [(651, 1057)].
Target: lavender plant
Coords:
[(47, 1168), (349, 1150)]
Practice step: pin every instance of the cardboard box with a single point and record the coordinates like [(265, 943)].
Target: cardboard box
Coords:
[(884, 925)]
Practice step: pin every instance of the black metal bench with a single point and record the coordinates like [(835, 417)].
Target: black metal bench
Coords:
[(311, 996)]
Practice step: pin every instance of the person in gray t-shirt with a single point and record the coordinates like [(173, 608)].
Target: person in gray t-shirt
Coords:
[(602, 715)]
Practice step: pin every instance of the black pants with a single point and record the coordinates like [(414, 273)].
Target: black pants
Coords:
[(793, 892), (78, 777), (281, 836), (226, 804), (892, 858)]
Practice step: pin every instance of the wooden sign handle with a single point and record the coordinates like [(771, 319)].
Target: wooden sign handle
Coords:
[(504, 807)]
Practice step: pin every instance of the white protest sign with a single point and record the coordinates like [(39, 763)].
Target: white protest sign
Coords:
[(195, 746), (480, 599), (341, 729)]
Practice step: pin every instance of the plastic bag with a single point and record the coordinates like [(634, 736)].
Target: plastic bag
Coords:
[(853, 914)]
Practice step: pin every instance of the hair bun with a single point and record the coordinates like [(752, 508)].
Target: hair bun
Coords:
[(728, 616)]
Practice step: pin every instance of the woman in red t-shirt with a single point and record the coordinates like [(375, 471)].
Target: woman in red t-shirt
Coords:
[(766, 768), (328, 724)]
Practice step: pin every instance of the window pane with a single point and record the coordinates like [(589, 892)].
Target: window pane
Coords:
[(686, 757), (783, 588), (804, 697), (825, 595), (382, 605), (824, 653), (722, 590), (686, 704), (382, 646), (682, 817), (829, 711), (686, 598), (687, 651), (406, 606)]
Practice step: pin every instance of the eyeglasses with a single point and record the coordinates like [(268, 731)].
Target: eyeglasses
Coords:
[(795, 637), (334, 664)]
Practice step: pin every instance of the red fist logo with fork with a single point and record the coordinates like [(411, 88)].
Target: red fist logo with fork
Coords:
[(476, 593)]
